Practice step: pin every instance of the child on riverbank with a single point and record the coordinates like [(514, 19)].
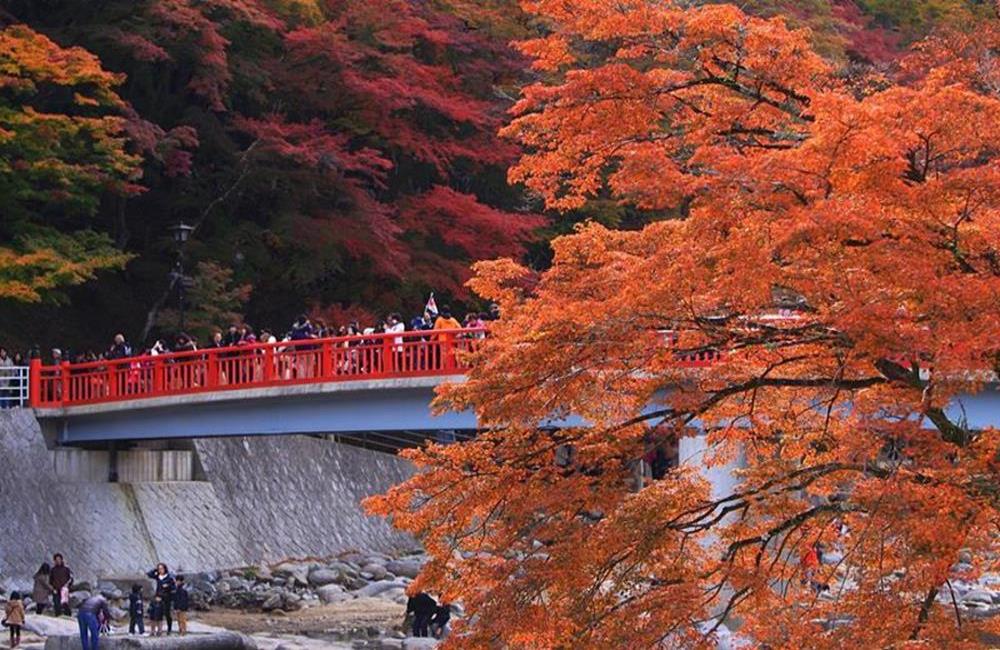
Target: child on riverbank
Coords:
[(182, 603), (135, 611), (156, 616), (14, 618)]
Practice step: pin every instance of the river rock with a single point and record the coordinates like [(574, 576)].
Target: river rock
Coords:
[(272, 602), (417, 643), (390, 644), (51, 626), (233, 583), (375, 570), (408, 568), (76, 598), (292, 571), (321, 577), (353, 557), (978, 596), (376, 588), (332, 594)]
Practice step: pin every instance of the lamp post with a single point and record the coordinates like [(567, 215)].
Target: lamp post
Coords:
[(181, 232)]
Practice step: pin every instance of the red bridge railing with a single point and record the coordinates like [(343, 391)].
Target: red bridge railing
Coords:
[(374, 356)]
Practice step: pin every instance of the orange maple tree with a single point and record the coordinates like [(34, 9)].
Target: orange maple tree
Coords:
[(872, 214)]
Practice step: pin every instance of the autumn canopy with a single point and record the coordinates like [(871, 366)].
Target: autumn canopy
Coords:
[(865, 207)]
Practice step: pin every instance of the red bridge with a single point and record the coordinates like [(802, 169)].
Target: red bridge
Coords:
[(368, 383)]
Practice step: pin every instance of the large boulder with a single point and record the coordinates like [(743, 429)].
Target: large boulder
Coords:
[(417, 643), (320, 577), (408, 568), (374, 571), (76, 598), (292, 571), (51, 625), (329, 594), (274, 600), (377, 588), (978, 596)]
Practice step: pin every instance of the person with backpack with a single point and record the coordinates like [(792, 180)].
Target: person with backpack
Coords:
[(135, 613), (14, 618)]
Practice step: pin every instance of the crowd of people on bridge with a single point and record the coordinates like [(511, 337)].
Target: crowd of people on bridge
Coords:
[(242, 334)]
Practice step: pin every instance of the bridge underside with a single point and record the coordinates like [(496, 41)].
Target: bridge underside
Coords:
[(395, 408), (391, 413)]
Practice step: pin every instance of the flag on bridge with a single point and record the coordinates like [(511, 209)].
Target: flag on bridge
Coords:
[(431, 306)]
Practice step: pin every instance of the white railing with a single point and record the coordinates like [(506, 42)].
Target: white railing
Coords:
[(13, 386)]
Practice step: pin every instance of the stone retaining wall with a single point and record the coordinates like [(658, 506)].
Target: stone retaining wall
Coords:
[(264, 499)]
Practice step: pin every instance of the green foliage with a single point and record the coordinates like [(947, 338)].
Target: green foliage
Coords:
[(916, 18), (216, 301)]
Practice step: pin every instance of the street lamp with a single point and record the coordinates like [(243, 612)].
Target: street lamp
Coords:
[(181, 232)]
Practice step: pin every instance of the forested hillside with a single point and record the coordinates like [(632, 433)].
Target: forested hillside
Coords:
[(332, 155)]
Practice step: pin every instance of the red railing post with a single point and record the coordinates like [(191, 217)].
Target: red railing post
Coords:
[(325, 362), (35, 382), (64, 381), (212, 369), (268, 374), (159, 377), (388, 355), (112, 380), (448, 351)]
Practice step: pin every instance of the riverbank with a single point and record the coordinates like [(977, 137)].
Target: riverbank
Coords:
[(352, 600)]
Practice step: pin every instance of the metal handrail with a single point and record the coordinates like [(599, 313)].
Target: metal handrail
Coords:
[(14, 386)]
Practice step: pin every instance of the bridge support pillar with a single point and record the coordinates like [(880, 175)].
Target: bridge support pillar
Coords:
[(123, 466)]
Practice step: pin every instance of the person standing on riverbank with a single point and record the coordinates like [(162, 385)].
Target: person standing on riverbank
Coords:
[(92, 612), (135, 612), (60, 579), (14, 618), (422, 607), (41, 593), (182, 603), (165, 586)]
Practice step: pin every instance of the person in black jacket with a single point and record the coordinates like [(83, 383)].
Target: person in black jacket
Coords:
[(182, 602), (440, 621), (135, 613), (165, 587), (422, 607)]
